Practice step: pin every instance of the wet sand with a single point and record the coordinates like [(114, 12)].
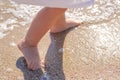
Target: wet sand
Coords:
[(81, 53), (90, 51)]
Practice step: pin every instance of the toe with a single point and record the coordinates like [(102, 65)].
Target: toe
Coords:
[(42, 64), (30, 66), (35, 66)]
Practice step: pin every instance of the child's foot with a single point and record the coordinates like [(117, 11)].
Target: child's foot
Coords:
[(67, 25), (31, 55)]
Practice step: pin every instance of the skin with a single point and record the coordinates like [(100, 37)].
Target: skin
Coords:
[(52, 19)]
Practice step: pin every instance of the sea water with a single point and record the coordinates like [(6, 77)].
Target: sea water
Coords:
[(18, 15)]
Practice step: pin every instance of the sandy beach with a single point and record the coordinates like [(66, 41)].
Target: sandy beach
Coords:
[(68, 56), (90, 51)]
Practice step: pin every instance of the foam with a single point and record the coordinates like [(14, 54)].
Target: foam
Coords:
[(14, 15)]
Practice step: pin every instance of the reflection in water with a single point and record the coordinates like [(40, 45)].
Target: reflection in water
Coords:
[(28, 74), (91, 51), (53, 61), (54, 56)]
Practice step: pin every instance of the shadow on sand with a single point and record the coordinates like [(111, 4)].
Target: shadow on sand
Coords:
[(28, 74), (53, 61)]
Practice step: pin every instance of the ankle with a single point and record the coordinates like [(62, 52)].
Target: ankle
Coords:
[(24, 43)]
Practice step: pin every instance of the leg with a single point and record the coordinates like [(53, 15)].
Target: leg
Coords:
[(63, 24), (40, 25)]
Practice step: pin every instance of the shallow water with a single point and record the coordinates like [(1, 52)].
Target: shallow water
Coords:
[(91, 51), (14, 15)]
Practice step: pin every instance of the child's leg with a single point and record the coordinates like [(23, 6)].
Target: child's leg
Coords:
[(40, 25), (63, 24)]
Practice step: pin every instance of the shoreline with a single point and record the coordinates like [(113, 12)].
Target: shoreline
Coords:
[(90, 51), (73, 59)]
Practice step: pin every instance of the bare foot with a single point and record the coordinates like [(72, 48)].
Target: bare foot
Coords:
[(67, 25), (31, 55)]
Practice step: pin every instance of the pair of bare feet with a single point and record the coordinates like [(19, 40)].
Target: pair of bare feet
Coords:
[(31, 53)]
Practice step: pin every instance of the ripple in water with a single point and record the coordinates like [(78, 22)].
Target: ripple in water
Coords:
[(14, 15)]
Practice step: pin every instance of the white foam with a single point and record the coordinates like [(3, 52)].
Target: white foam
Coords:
[(13, 44), (20, 15), (15, 15), (2, 35), (61, 50)]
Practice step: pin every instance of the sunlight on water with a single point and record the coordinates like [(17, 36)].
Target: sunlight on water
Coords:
[(14, 15), (91, 51)]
